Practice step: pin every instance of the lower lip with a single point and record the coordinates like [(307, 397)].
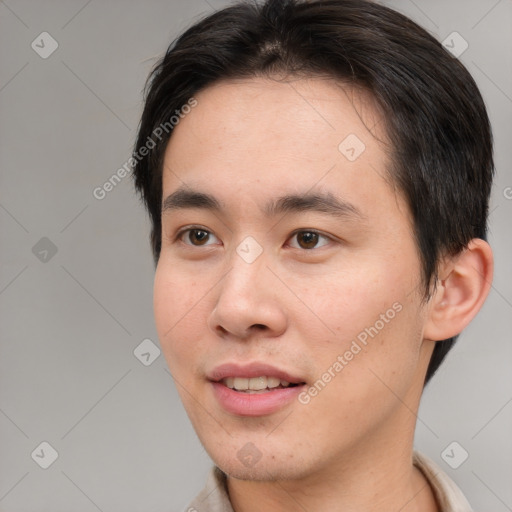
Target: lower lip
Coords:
[(254, 404)]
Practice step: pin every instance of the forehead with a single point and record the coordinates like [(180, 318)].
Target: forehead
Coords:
[(245, 135), (277, 111)]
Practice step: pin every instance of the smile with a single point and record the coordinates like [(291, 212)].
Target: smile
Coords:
[(255, 389), (256, 384)]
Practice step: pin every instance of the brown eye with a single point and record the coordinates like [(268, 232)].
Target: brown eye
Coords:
[(308, 239), (195, 236)]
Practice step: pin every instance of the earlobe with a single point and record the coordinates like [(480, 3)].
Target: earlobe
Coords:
[(462, 289)]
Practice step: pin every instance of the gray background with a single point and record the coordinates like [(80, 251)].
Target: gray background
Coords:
[(70, 322)]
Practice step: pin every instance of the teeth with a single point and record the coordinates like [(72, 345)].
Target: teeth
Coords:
[(254, 383), (273, 382), (240, 383), (257, 383)]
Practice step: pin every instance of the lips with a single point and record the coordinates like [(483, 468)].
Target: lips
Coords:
[(252, 371), (254, 390)]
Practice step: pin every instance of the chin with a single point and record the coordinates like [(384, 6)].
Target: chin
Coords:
[(262, 472), (249, 464)]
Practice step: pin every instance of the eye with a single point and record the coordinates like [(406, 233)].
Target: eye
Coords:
[(308, 239), (196, 236)]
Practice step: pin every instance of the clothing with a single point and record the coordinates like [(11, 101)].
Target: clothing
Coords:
[(214, 496)]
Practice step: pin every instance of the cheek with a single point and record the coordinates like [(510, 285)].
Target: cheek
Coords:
[(178, 304), (358, 386), (352, 303), (375, 325)]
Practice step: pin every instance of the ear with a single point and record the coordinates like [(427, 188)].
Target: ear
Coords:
[(464, 283)]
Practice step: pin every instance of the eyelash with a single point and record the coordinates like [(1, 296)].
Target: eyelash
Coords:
[(189, 229)]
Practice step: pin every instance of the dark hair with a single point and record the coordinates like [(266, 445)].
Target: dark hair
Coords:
[(436, 121)]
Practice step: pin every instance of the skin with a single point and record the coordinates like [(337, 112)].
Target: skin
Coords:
[(299, 308)]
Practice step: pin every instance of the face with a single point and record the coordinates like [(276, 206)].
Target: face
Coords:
[(287, 295)]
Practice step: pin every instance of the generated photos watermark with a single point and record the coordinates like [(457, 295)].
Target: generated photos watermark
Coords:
[(341, 361), (101, 192)]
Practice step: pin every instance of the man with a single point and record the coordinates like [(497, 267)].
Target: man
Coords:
[(317, 175)]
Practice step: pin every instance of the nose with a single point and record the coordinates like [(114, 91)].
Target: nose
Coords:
[(248, 302)]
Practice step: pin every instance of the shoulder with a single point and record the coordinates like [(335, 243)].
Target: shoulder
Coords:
[(447, 493), (214, 496)]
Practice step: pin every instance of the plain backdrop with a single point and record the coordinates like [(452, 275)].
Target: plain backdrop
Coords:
[(76, 272)]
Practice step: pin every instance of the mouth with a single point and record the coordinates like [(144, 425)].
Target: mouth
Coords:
[(257, 385), (256, 389)]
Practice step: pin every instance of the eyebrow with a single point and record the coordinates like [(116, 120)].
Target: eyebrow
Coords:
[(326, 202)]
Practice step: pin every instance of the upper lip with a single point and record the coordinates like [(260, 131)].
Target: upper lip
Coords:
[(255, 369)]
